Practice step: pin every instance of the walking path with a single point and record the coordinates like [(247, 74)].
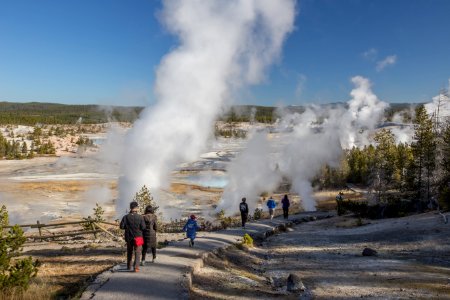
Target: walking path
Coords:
[(170, 276)]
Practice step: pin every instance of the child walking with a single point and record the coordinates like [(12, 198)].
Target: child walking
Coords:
[(191, 228)]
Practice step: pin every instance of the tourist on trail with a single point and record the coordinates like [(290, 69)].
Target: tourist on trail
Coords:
[(285, 204), (134, 224), (191, 228), (243, 207), (149, 233), (271, 204)]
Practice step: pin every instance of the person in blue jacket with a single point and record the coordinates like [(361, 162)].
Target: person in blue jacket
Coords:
[(271, 204), (191, 228)]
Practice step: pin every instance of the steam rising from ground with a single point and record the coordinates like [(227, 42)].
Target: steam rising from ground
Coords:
[(306, 143), (224, 45)]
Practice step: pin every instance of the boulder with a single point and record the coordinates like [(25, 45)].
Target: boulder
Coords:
[(294, 283), (369, 252)]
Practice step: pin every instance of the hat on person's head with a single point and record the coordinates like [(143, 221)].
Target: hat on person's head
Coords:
[(193, 217), (133, 205)]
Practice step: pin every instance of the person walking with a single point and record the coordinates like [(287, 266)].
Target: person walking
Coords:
[(243, 207), (271, 204), (285, 204), (151, 227), (191, 228), (133, 224)]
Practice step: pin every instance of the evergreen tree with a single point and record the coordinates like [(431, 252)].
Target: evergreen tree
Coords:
[(424, 151), (444, 184), (15, 273), (384, 162), (144, 198), (404, 159), (24, 148)]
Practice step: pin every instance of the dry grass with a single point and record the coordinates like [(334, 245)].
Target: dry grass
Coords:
[(326, 200), (183, 188), (61, 185)]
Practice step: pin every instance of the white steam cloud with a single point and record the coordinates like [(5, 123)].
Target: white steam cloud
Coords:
[(224, 45), (304, 143)]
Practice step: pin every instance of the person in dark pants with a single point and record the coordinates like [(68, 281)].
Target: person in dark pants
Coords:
[(243, 207), (151, 226), (285, 203), (133, 224)]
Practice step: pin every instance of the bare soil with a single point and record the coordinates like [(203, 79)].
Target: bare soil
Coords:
[(413, 262)]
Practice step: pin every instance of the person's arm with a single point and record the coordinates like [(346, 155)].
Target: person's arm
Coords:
[(122, 223), (155, 224), (246, 208), (185, 226)]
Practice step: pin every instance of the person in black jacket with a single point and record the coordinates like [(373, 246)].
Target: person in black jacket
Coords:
[(243, 207), (151, 226), (133, 224), (286, 203)]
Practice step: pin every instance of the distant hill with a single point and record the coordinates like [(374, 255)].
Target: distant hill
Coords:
[(52, 113)]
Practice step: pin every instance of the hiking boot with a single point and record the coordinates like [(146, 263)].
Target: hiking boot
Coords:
[(136, 270), (153, 260), (142, 263)]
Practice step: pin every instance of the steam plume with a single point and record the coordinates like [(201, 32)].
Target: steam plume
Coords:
[(224, 45), (306, 142)]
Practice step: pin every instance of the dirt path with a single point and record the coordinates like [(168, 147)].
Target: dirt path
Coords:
[(413, 262)]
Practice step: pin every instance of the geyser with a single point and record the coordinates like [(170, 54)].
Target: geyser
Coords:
[(223, 46)]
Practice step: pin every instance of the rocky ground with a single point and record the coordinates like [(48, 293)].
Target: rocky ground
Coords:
[(412, 262)]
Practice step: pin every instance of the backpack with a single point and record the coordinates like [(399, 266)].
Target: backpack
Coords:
[(242, 207)]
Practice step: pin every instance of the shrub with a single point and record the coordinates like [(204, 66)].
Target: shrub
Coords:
[(15, 274), (97, 216), (257, 214), (247, 240)]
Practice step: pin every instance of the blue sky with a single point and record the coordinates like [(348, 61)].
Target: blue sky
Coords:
[(106, 51)]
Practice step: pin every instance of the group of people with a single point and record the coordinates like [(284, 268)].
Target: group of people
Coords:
[(271, 205), (140, 234), (140, 230)]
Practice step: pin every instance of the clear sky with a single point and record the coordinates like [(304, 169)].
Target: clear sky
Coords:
[(106, 51)]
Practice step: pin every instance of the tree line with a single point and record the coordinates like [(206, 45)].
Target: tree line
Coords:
[(53, 113)]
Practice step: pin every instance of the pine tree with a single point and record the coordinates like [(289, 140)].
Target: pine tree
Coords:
[(384, 163), (15, 273), (24, 148), (404, 158), (144, 198), (424, 151), (444, 184)]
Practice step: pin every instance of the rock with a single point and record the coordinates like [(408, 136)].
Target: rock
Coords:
[(369, 252), (294, 283)]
